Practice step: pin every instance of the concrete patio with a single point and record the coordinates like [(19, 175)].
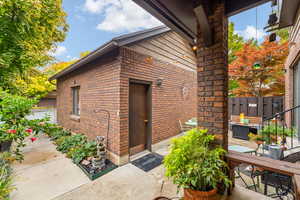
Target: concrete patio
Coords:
[(46, 174)]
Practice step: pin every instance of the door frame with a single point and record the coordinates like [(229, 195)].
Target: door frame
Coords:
[(149, 109)]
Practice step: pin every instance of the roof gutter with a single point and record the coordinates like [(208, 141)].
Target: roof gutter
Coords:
[(98, 52)]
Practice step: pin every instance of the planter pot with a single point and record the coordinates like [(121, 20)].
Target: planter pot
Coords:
[(275, 152), (5, 146), (259, 142), (190, 194), (161, 198), (266, 147), (92, 176)]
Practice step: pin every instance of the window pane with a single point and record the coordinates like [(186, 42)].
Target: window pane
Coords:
[(75, 94)]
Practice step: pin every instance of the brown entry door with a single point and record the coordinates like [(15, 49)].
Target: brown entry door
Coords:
[(138, 117)]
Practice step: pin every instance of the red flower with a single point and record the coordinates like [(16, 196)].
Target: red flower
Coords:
[(13, 131), (28, 130), (33, 139)]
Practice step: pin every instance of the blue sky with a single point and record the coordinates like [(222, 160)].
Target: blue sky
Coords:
[(94, 22)]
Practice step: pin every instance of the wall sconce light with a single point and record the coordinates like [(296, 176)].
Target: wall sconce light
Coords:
[(159, 82)]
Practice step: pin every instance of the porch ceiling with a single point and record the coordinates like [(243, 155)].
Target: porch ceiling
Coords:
[(179, 15)]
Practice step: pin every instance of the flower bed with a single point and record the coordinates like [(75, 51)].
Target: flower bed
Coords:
[(76, 147)]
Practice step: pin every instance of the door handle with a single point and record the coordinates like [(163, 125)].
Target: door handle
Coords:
[(146, 121)]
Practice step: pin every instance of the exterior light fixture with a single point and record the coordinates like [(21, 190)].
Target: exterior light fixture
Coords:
[(194, 48), (159, 82)]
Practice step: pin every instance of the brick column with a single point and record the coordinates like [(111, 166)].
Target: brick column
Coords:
[(213, 78)]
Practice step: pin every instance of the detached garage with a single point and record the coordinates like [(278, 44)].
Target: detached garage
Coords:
[(134, 90)]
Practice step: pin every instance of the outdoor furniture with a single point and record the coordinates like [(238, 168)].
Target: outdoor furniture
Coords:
[(241, 149), (248, 170), (282, 183), (192, 122), (241, 131)]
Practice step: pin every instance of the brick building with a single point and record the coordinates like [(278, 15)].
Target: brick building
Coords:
[(133, 89), (292, 64), (49, 101)]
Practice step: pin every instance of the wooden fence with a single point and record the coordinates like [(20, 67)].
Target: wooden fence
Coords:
[(256, 106)]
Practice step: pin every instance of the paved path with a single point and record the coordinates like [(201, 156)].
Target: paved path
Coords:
[(45, 173)]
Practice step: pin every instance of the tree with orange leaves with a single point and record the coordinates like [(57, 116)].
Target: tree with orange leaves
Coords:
[(259, 70)]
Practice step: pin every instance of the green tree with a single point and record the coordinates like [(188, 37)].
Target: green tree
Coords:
[(34, 83), (235, 43), (29, 30), (283, 35)]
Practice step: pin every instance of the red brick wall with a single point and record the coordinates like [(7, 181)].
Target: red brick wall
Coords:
[(291, 62), (105, 85), (168, 103), (213, 78), (99, 89)]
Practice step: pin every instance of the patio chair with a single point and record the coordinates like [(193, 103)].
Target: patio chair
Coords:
[(282, 183), (252, 172)]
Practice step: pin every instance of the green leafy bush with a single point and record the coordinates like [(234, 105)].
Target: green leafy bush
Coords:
[(192, 164), (6, 186), (16, 133), (58, 132), (13, 108), (79, 153), (65, 143), (272, 129)]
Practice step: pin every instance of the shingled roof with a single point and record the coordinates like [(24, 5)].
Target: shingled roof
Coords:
[(111, 45)]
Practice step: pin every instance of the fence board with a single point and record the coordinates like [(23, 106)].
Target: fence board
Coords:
[(255, 106)]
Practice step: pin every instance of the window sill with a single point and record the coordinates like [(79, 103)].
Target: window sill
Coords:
[(75, 118)]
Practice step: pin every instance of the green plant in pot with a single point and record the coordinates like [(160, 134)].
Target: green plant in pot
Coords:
[(195, 166), (257, 138), (271, 131)]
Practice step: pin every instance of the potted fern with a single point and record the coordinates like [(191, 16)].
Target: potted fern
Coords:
[(196, 167)]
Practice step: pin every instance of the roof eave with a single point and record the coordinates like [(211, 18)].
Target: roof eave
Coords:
[(288, 13), (98, 52), (168, 19)]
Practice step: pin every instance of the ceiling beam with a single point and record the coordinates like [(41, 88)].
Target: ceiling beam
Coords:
[(204, 25), (234, 7)]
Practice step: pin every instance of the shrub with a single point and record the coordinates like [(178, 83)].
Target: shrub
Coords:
[(6, 186), (65, 143), (58, 132), (14, 108), (16, 133), (79, 153), (192, 164)]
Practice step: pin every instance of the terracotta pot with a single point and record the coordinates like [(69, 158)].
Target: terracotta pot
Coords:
[(161, 198), (190, 194), (259, 142)]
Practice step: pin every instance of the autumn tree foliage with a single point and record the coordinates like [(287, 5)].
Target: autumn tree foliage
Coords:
[(267, 78)]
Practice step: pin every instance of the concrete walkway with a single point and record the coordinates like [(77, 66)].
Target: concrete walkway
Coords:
[(45, 173)]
